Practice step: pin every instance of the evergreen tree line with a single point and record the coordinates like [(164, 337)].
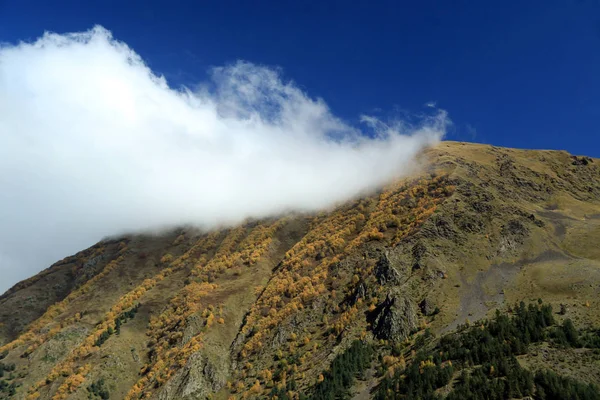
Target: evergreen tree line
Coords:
[(566, 335), (344, 370), (485, 354), (550, 386), (504, 380), (338, 380), (419, 380)]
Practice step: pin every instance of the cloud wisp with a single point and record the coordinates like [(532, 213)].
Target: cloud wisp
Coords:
[(93, 143)]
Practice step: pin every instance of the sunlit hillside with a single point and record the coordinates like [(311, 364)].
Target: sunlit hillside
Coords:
[(387, 296)]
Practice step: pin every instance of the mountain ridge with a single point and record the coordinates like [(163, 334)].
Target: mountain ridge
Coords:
[(479, 228)]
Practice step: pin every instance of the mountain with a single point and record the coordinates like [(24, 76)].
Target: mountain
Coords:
[(478, 276)]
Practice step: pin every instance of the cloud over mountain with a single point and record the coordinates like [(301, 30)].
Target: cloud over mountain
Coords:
[(93, 143)]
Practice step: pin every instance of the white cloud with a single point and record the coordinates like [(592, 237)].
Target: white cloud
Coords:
[(93, 143)]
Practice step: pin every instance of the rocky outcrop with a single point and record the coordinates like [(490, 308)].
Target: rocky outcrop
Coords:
[(439, 226), (512, 236), (199, 378), (385, 272), (581, 160), (469, 222), (428, 307), (418, 251), (394, 319), (515, 228), (360, 292), (92, 267)]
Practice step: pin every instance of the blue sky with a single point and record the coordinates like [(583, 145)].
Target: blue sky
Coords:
[(510, 73)]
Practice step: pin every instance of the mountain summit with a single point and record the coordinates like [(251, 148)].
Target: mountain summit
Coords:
[(480, 275)]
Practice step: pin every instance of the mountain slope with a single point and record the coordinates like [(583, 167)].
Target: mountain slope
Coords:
[(264, 308)]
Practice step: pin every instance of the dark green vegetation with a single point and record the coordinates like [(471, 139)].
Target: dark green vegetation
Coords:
[(337, 381), (343, 372), (7, 388), (120, 320), (98, 390), (552, 386), (6, 367), (479, 361), (568, 336), (124, 317)]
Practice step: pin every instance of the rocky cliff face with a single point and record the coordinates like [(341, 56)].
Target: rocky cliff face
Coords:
[(395, 319), (247, 310)]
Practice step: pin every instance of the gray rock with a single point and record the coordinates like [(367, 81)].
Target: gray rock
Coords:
[(360, 292), (469, 222), (196, 380), (91, 268), (439, 226), (563, 309), (427, 307), (394, 319), (385, 272), (418, 251), (515, 228), (581, 161)]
